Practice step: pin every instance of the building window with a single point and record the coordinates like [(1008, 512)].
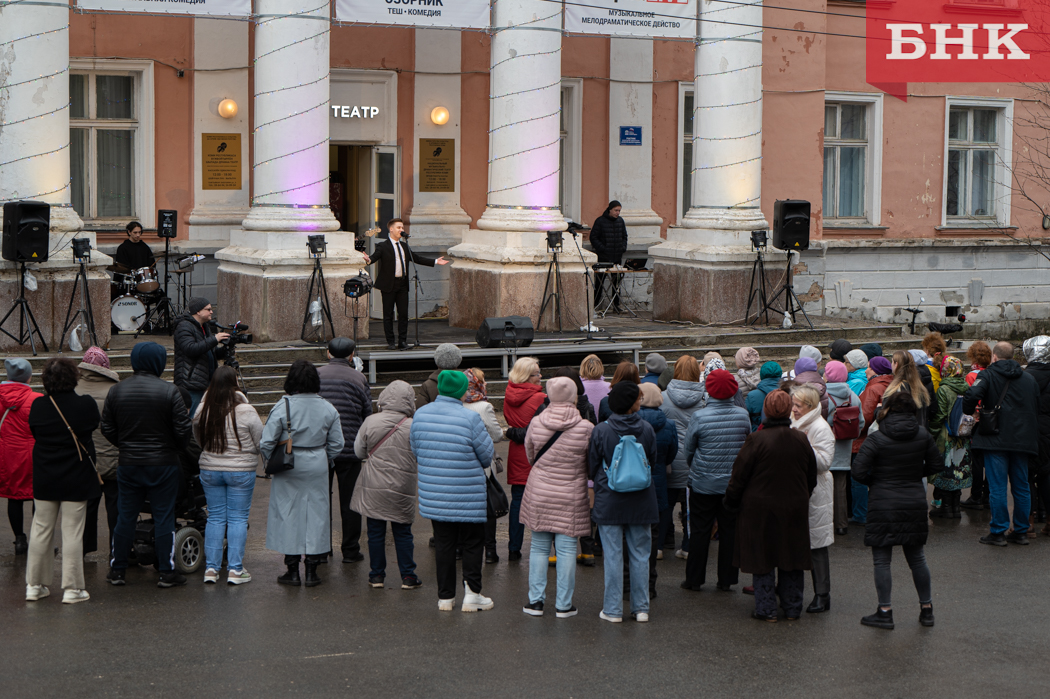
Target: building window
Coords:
[(570, 152), (852, 159), (977, 162), (685, 148), (110, 138)]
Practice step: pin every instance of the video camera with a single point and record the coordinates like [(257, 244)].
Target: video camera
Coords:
[(238, 336)]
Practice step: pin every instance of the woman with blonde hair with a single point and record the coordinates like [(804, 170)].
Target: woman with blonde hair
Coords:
[(523, 396), (592, 373), (906, 378)]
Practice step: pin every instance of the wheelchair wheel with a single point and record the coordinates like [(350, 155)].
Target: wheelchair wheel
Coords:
[(189, 550)]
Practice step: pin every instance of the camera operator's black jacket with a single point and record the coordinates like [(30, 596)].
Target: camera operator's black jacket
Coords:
[(196, 352), (146, 419)]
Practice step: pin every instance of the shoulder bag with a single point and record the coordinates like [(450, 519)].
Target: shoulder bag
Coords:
[(386, 437), (282, 459), (496, 503), (81, 450), (988, 424)]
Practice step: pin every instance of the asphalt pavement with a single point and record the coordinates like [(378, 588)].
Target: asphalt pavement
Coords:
[(344, 639)]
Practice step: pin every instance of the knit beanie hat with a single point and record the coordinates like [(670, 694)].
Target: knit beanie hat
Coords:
[(452, 384), (448, 356), (341, 347), (713, 355), (96, 356), (655, 363), (561, 389), (18, 369), (713, 364), (149, 356), (777, 404), (651, 395), (872, 349), (880, 365), (811, 352), (920, 357), (197, 303), (835, 372), (839, 348), (746, 358), (804, 364), (622, 397), (771, 370), (720, 384), (857, 359)]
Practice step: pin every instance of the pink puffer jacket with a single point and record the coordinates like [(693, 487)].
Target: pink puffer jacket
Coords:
[(555, 498)]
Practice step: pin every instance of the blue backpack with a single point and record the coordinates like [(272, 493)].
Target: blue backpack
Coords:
[(955, 420), (629, 471)]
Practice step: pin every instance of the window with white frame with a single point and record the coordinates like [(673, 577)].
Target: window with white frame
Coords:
[(570, 149), (852, 181), (686, 197), (110, 137), (973, 143)]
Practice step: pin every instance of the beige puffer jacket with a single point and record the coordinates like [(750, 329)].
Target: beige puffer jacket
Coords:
[(250, 430), (386, 488), (555, 498)]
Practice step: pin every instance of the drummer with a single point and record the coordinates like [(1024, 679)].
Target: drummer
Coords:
[(134, 253)]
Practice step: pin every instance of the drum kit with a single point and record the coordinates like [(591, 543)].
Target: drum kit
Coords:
[(139, 299)]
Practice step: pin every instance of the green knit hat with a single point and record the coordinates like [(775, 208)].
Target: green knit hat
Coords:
[(770, 370), (452, 384)]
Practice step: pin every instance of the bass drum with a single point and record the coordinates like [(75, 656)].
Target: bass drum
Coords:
[(127, 313)]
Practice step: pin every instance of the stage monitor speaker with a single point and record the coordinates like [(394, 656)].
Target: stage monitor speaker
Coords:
[(791, 224), (27, 225), (511, 331)]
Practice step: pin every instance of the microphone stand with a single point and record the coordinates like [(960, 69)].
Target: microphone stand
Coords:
[(588, 285), (418, 282)]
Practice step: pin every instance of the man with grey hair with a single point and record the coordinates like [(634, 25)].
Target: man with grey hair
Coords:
[(1008, 439), (447, 357)]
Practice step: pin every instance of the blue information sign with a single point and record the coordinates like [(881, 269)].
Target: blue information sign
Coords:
[(630, 135)]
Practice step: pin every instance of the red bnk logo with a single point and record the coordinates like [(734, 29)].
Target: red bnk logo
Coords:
[(978, 41)]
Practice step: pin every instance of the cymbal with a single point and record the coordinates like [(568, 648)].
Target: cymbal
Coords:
[(117, 267)]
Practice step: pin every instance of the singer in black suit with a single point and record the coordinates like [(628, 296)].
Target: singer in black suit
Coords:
[(394, 255)]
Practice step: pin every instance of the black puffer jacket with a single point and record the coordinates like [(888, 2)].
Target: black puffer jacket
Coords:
[(609, 238), (196, 353), (344, 387), (1041, 373), (147, 420), (892, 463), (1019, 414)]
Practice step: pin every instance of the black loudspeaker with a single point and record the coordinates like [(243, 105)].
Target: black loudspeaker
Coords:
[(167, 222), (791, 224), (511, 331), (26, 228)]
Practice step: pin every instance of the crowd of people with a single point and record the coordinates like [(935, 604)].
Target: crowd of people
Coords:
[(773, 463)]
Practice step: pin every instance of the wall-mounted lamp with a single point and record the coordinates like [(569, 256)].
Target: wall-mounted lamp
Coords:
[(439, 115), (227, 108)]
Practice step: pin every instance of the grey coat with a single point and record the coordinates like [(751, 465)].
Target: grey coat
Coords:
[(386, 488), (299, 518), (95, 381), (681, 400), (839, 394)]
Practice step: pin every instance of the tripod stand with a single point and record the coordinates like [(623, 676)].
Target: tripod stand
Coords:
[(791, 303), (552, 295), (758, 293), (317, 280), (588, 287), (26, 326), (85, 314), (163, 307)]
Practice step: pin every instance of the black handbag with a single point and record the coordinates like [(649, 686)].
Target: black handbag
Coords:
[(282, 459), (497, 504), (988, 425)]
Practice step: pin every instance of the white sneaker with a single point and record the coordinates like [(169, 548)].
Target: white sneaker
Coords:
[(606, 617), (475, 601), (73, 596), (684, 555), (237, 577), (211, 576), (35, 592), (641, 617), (446, 605)]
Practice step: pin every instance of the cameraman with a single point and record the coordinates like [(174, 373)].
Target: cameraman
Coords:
[(197, 351)]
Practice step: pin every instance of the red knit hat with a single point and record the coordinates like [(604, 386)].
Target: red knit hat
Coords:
[(721, 384)]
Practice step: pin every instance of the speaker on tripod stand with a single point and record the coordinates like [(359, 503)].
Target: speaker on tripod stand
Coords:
[(27, 225), (791, 234)]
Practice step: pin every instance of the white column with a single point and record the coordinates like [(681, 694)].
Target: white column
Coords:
[(727, 123), (291, 118), (631, 167), (34, 112)]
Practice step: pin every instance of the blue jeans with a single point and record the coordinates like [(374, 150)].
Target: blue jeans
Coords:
[(860, 502), (404, 547), (517, 529), (639, 542), (136, 484), (1000, 466), (565, 548), (229, 495), (195, 400)]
